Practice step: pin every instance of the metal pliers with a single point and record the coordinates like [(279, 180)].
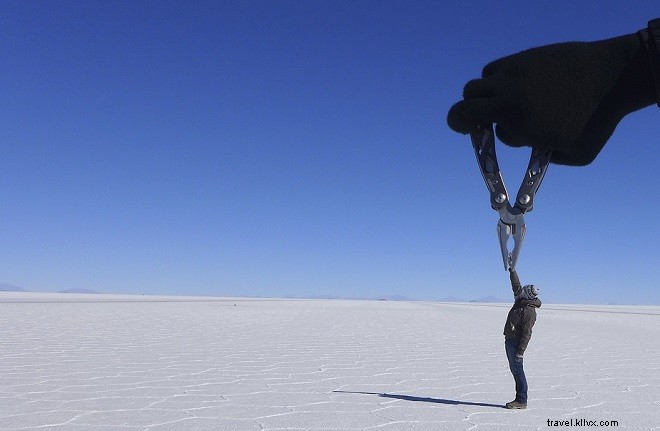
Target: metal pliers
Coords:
[(512, 220)]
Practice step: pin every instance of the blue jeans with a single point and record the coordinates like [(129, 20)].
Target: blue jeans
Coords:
[(516, 367)]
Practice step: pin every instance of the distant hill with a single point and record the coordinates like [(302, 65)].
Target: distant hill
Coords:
[(489, 299), (484, 299), (4, 287), (394, 298), (90, 291), (451, 299)]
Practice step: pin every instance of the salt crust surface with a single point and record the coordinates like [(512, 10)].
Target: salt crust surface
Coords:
[(108, 362)]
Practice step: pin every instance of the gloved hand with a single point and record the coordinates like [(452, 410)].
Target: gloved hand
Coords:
[(519, 358), (567, 97)]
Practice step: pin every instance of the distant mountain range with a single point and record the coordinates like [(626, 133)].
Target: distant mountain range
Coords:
[(4, 287), (488, 299), (90, 291), (484, 299), (492, 299)]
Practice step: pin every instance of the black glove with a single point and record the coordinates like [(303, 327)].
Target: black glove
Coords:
[(566, 97)]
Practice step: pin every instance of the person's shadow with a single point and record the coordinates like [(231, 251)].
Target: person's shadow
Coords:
[(424, 399)]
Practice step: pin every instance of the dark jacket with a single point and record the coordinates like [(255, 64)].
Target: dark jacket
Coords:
[(522, 316)]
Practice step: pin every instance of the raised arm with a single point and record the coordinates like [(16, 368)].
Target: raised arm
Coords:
[(515, 282)]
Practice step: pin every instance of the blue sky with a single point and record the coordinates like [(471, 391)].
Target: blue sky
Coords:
[(299, 148)]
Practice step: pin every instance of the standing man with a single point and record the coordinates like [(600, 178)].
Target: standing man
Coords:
[(517, 333)]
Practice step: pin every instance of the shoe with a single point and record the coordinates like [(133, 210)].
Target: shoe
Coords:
[(515, 405)]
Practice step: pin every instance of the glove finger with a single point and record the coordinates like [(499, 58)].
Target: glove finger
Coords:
[(477, 89), (562, 158), (491, 68), (467, 115), (508, 136)]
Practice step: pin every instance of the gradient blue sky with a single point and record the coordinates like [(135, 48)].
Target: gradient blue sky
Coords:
[(299, 148)]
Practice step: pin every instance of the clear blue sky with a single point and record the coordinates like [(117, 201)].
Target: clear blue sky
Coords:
[(299, 148)]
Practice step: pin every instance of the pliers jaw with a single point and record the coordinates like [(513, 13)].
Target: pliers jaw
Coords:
[(511, 223)]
